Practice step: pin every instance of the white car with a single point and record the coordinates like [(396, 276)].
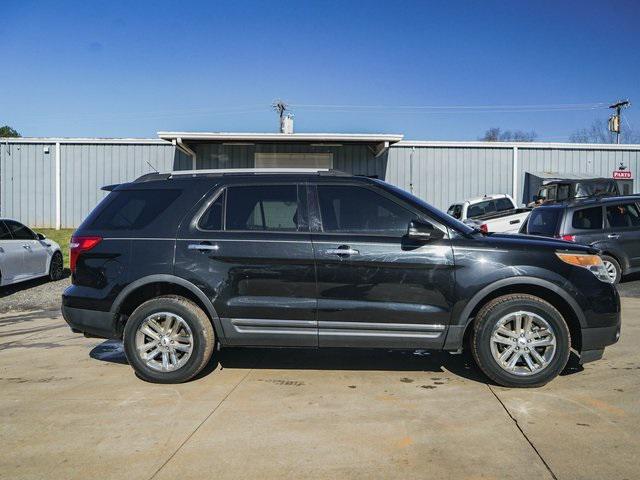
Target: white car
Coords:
[(491, 213), (25, 255)]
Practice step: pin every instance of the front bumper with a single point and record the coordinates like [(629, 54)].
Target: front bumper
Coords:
[(91, 322)]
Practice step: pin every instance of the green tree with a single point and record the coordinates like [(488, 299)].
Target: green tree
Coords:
[(7, 131)]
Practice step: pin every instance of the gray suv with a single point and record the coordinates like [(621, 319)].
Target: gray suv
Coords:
[(612, 225)]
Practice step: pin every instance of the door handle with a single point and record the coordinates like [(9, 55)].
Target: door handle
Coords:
[(613, 235), (341, 251), (514, 221), (203, 247), (28, 247)]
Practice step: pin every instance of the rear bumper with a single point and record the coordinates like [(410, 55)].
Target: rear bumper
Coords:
[(91, 322)]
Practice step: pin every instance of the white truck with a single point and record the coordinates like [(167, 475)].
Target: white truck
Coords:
[(491, 213)]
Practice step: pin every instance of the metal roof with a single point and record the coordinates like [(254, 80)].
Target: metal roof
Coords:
[(72, 140), (524, 145), (282, 137)]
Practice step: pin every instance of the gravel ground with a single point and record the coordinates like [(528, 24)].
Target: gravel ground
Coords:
[(39, 294), (44, 295)]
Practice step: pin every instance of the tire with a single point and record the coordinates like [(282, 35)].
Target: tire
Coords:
[(547, 324), (611, 264), (189, 321), (56, 267)]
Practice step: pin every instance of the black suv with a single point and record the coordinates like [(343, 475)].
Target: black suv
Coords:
[(175, 264), (609, 224)]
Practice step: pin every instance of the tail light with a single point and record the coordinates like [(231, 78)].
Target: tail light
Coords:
[(79, 245), (568, 238), (484, 228)]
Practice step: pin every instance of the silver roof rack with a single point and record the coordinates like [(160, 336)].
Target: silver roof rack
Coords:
[(224, 171)]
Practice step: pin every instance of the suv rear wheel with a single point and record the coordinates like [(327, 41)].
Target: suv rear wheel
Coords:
[(520, 341), (168, 339)]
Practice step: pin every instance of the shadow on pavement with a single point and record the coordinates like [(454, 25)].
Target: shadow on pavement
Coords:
[(7, 290), (331, 359)]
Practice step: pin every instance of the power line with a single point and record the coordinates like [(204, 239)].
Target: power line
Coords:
[(491, 108)]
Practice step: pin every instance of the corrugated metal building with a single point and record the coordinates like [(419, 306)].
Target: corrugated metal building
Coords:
[(53, 182)]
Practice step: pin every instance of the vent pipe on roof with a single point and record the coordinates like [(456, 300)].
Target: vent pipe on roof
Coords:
[(286, 124)]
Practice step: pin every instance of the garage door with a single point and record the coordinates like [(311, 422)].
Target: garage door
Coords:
[(294, 160)]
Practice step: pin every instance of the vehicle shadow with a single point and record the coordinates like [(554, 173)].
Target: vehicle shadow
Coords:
[(7, 290), (330, 359)]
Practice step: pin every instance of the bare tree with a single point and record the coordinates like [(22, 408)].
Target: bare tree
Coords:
[(495, 134), (598, 132)]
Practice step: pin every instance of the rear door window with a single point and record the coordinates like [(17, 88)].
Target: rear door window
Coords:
[(623, 216), (262, 208), (503, 204), (543, 221), (212, 218), (133, 209), (482, 208), (587, 219)]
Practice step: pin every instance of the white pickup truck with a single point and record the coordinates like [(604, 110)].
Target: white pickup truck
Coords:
[(491, 213)]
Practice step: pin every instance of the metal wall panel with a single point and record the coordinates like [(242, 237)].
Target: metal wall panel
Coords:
[(85, 169), (27, 176), (439, 174), (444, 175), (27, 182)]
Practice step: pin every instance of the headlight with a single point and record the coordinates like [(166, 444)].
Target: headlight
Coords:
[(593, 263)]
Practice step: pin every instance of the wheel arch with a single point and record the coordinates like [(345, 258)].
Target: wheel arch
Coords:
[(540, 288), (152, 286)]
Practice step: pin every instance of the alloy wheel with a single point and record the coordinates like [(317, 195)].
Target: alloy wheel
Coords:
[(612, 271), (523, 343), (164, 341)]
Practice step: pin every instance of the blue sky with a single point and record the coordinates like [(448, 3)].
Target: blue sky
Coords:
[(129, 69)]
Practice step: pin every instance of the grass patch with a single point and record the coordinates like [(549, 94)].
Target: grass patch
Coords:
[(62, 237)]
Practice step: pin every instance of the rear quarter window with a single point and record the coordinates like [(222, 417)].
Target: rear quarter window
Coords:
[(544, 221), (132, 209)]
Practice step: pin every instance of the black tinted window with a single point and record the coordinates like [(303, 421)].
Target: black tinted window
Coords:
[(503, 204), (19, 231), (622, 216), (267, 208), (133, 209), (360, 210), (212, 218), (4, 232), (482, 208), (455, 211), (543, 221), (587, 219)]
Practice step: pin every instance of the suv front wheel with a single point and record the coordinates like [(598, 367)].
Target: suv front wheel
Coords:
[(168, 339), (520, 341)]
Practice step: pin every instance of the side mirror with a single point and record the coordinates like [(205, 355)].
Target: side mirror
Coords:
[(423, 231), (41, 236)]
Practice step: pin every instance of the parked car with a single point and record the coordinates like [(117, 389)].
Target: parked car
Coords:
[(175, 264), (25, 255), (490, 213), (611, 225), (563, 189)]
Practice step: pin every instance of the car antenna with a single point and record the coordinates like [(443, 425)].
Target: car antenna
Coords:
[(152, 167)]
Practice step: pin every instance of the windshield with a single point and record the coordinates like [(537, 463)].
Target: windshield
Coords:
[(434, 212)]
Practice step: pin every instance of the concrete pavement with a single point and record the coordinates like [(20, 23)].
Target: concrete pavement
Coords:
[(71, 408)]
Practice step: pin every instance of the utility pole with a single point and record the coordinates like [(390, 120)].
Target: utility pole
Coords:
[(615, 119)]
